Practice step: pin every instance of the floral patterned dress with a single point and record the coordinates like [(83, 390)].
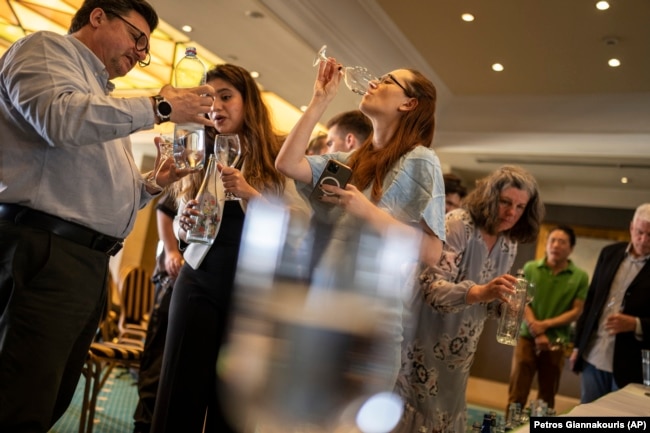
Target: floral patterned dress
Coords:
[(442, 331)]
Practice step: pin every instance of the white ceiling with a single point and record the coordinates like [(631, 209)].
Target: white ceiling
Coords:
[(557, 109)]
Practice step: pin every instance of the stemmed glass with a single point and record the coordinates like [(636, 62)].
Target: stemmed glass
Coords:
[(227, 150), (357, 78), (166, 147)]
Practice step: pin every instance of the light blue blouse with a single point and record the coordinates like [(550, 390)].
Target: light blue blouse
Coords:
[(413, 191), (441, 338)]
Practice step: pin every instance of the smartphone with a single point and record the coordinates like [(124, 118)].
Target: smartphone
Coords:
[(335, 173)]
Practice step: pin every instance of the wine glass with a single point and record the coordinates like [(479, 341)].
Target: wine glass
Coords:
[(227, 149), (357, 78), (166, 152)]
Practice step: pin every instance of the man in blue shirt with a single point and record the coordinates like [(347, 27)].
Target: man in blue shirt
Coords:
[(69, 194)]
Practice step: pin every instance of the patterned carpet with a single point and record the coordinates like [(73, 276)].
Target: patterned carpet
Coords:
[(115, 405), (118, 399)]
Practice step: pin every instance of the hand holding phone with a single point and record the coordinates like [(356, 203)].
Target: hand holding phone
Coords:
[(335, 173)]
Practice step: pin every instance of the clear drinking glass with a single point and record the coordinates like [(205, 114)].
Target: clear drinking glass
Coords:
[(645, 363), (227, 150), (189, 145), (313, 345), (357, 78), (166, 147)]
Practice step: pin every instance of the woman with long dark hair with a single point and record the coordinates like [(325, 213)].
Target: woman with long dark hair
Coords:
[(188, 393)]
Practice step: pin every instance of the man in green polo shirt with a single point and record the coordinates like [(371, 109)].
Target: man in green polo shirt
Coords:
[(560, 291)]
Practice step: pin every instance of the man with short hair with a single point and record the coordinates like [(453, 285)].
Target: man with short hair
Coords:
[(560, 291), (616, 323), (347, 131), (317, 145), (69, 194), (455, 192)]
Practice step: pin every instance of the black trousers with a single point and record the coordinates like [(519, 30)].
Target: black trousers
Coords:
[(152, 357), (198, 320), (52, 295)]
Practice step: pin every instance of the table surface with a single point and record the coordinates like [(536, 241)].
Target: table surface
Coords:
[(632, 400)]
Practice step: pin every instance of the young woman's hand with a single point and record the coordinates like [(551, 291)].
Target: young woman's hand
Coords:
[(234, 183)]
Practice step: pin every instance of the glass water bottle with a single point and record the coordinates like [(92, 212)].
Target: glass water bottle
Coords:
[(189, 144), (205, 226), (512, 313)]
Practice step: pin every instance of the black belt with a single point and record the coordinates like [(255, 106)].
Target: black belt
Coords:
[(73, 232)]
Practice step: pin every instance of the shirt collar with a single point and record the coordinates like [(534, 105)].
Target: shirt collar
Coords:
[(541, 263), (628, 254)]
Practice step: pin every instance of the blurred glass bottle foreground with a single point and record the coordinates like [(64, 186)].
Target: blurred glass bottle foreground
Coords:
[(312, 345)]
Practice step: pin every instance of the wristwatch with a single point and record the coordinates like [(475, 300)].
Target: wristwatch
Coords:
[(163, 108)]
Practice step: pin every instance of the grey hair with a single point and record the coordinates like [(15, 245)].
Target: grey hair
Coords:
[(642, 213)]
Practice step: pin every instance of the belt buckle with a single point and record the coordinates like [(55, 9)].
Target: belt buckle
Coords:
[(115, 248)]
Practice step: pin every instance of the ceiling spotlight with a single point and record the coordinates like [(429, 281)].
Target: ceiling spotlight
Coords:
[(602, 5), (303, 108), (497, 67), (614, 63), (187, 28), (624, 179), (467, 17), (255, 74)]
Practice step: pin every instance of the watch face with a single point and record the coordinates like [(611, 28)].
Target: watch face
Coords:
[(164, 108)]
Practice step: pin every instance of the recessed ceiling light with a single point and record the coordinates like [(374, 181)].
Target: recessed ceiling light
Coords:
[(614, 63), (467, 17), (254, 14), (602, 5), (255, 74), (497, 67), (624, 179), (187, 28), (303, 108)]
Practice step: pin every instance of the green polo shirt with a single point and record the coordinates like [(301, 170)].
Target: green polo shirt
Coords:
[(554, 294)]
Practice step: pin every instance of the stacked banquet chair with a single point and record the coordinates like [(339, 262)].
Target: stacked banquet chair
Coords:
[(125, 348)]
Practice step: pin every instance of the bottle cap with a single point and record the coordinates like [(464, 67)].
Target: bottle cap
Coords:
[(190, 51)]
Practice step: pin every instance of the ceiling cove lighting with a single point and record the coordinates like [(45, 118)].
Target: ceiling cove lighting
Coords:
[(19, 18)]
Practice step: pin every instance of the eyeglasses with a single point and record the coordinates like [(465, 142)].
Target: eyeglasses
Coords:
[(384, 80), (141, 43), (406, 92)]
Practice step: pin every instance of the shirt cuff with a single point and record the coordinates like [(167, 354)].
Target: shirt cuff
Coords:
[(638, 332), (150, 181)]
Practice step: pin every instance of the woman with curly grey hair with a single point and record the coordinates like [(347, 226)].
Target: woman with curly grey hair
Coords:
[(468, 285)]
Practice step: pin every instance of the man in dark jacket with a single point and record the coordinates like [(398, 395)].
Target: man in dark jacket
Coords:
[(615, 324)]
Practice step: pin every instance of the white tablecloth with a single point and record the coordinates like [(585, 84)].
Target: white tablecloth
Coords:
[(632, 400)]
